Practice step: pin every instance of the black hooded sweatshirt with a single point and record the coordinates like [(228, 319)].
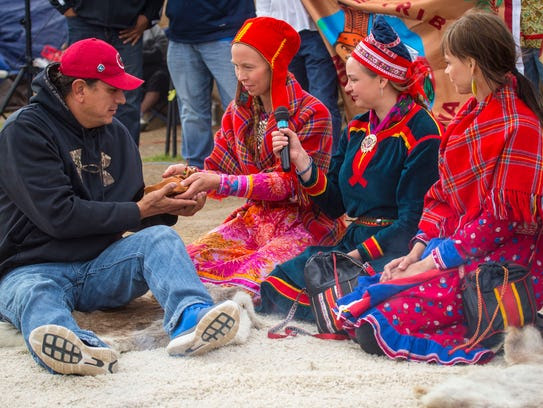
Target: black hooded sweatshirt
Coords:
[(66, 192)]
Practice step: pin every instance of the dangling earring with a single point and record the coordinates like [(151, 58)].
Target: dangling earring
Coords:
[(473, 87), (381, 92)]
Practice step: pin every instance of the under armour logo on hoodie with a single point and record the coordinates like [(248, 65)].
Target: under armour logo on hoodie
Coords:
[(107, 179)]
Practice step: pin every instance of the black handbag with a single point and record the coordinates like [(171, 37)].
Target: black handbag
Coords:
[(494, 297), (329, 276)]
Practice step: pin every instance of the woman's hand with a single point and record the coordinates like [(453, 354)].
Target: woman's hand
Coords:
[(401, 264), (200, 182), (390, 272), (285, 137), (355, 254), (174, 170), (398, 265)]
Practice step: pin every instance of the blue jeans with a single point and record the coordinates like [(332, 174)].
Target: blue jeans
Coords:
[(314, 69), (192, 69), (533, 68), (154, 258), (132, 56)]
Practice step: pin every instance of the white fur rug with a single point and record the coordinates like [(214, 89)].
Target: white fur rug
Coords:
[(519, 385), (294, 372)]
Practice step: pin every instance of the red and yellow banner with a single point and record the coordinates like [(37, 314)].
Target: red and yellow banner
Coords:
[(420, 24)]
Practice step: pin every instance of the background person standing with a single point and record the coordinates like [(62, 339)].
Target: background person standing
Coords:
[(121, 24), (312, 65), (198, 53)]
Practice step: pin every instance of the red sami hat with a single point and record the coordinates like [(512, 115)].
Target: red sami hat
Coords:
[(277, 42), (96, 59)]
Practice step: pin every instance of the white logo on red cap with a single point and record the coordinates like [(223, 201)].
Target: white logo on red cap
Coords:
[(120, 61)]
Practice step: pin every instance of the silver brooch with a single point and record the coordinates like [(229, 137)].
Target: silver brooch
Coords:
[(100, 68), (368, 143)]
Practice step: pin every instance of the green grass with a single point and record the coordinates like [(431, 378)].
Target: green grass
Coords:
[(163, 158)]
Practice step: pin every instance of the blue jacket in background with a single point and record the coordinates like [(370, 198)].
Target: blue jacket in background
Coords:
[(206, 20)]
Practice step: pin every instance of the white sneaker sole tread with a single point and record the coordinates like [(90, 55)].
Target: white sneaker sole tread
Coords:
[(65, 353)]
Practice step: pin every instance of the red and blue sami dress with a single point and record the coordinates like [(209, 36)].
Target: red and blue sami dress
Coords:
[(379, 176), (486, 206)]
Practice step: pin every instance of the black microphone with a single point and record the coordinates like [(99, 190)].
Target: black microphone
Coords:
[(281, 117)]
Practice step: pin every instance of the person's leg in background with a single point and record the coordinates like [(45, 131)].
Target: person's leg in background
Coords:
[(321, 76), (297, 68), (78, 30), (193, 84), (129, 113), (155, 96), (217, 58), (150, 99)]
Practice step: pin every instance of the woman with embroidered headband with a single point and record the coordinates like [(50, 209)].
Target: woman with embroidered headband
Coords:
[(485, 206), (385, 163), (277, 220)]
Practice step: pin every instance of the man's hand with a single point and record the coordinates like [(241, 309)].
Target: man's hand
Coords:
[(187, 211), (133, 34), (158, 202)]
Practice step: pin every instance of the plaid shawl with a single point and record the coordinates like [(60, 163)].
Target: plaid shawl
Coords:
[(235, 152), (234, 142), (491, 158)]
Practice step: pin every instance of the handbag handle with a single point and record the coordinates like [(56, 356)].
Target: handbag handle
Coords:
[(293, 330), (289, 330), (336, 277), (477, 338)]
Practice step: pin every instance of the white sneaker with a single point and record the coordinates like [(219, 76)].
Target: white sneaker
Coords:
[(216, 326), (65, 353)]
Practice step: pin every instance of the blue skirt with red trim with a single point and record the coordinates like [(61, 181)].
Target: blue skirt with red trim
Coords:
[(418, 318)]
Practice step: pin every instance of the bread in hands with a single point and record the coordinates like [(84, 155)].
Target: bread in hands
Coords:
[(173, 179)]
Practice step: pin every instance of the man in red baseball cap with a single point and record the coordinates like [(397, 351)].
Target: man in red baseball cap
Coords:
[(120, 23), (71, 185), (96, 60)]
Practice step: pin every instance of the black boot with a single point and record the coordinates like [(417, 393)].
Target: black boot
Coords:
[(366, 338)]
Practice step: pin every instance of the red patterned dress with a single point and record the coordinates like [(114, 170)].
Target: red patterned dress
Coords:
[(278, 221)]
